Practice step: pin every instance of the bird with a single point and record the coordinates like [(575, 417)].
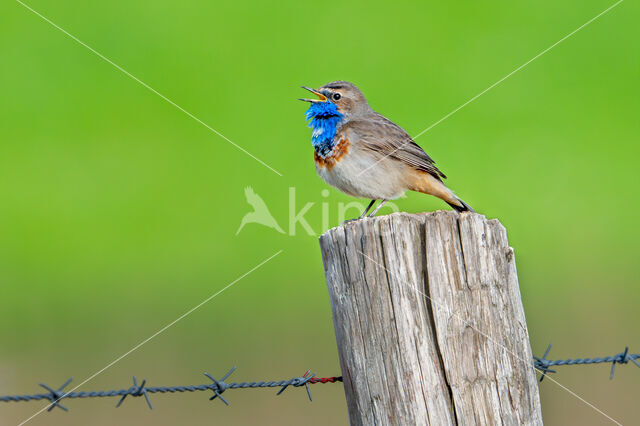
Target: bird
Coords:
[(364, 154), (260, 213)]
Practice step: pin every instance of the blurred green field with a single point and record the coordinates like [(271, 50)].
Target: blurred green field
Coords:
[(118, 212)]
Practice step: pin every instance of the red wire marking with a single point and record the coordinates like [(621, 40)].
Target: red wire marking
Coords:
[(326, 379)]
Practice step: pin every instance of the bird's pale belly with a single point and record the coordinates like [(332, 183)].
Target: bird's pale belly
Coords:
[(360, 176)]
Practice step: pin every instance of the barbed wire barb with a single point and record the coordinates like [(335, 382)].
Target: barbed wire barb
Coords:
[(623, 358), (57, 395), (542, 364), (221, 386), (300, 381), (136, 390)]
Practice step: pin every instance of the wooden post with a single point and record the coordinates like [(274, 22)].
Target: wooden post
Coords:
[(429, 321)]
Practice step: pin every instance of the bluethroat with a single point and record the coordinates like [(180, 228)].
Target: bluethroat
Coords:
[(366, 155)]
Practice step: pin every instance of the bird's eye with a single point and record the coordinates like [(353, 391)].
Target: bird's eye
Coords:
[(336, 96)]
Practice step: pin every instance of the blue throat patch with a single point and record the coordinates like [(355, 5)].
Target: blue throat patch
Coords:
[(324, 120)]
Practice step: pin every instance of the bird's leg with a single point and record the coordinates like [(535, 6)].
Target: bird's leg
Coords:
[(367, 209), (363, 213), (373, 213)]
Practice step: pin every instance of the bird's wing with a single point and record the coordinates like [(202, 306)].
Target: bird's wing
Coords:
[(382, 136)]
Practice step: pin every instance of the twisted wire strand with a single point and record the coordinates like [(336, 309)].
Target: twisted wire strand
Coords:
[(581, 361), (544, 365), (218, 387)]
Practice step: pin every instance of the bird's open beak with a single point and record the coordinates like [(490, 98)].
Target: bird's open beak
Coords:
[(321, 97)]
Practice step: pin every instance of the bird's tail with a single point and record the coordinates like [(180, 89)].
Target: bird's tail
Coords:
[(463, 207), (429, 184)]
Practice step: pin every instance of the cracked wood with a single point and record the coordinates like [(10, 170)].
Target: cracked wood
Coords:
[(429, 321)]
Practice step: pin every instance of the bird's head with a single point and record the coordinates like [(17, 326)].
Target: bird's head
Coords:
[(343, 97), (337, 103)]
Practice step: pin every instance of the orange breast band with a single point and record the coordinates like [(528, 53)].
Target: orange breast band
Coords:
[(336, 155)]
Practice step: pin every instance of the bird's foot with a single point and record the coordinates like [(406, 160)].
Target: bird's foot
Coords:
[(351, 220)]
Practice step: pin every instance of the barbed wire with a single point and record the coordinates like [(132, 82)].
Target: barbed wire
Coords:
[(544, 365), (219, 386)]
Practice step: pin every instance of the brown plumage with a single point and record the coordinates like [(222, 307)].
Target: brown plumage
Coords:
[(383, 136)]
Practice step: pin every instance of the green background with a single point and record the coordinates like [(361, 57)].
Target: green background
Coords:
[(118, 212)]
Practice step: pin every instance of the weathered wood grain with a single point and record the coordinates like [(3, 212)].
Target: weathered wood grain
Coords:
[(429, 321)]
